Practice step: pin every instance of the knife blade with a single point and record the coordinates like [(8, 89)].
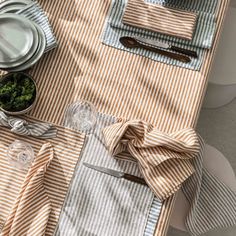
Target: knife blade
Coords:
[(117, 174), (160, 44)]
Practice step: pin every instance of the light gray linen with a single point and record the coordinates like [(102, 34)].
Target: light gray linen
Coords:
[(102, 205)]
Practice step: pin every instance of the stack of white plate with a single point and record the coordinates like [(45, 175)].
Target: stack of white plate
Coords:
[(22, 42)]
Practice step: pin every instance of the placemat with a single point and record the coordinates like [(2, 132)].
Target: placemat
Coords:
[(67, 147), (99, 204), (202, 39)]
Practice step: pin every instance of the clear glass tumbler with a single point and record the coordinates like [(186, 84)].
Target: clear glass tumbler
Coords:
[(81, 116), (20, 154)]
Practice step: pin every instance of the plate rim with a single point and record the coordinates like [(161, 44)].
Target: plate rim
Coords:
[(41, 51), (34, 37), (10, 2)]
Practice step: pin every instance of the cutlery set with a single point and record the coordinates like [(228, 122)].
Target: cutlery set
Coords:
[(180, 54), (22, 41)]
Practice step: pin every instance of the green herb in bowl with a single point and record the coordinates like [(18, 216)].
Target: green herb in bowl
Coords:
[(17, 92)]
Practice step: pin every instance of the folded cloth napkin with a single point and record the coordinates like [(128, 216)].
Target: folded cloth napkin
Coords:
[(32, 202), (34, 12), (22, 127), (158, 18), (202, 40), (164, 160), (102, 205), (213, 204)]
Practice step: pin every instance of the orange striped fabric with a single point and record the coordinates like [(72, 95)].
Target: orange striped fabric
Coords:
[(116, 82), (31, 211), (163, 159), (67, 148), (158, 18)]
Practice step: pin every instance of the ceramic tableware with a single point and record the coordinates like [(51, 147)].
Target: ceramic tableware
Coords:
[(19, 40), (12, 6), (38, 54)]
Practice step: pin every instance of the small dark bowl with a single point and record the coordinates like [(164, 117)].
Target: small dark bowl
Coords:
[(8, 76)]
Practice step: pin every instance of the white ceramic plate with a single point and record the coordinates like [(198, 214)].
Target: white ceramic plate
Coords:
[(35, 58), (18, 38)]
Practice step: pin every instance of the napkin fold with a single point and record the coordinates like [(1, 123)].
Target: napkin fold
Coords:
[(31, 211), (212, 203), (164, 160), (158, 18), (22, 127)]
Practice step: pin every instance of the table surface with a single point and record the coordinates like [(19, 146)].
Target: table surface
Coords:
[(117, 82)]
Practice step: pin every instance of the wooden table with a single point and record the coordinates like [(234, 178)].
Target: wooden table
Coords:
[(117, 82)]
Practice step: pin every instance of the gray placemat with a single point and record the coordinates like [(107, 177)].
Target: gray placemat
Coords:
[(99, 204)]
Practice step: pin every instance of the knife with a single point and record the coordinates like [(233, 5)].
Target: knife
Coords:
[(167, 46), (116, 174)]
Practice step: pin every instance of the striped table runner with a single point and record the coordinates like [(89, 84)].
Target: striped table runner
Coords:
[(158, 18), (116, 82), (67, 147)]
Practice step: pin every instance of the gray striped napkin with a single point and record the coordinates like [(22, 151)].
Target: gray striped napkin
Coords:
[(22, 127), (212, 203), (99, 204), (202, 39)]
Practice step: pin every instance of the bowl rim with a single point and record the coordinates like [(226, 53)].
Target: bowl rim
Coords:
[(35, 99)]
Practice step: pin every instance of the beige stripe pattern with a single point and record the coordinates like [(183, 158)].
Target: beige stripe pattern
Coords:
[(163, 159), (115, 81), (67, 148), (31, 211), (158, 18)]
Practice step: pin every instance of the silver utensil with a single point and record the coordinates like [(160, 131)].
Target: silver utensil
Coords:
[(167, 46), (116, 174)]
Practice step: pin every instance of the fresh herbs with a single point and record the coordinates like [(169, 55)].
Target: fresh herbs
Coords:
[(17, 92)]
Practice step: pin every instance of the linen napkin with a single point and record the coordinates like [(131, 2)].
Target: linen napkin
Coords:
[(213, 204), (158, 18), (165, 160), (22, 127), (202, 40), (99, 204), (33, 201)]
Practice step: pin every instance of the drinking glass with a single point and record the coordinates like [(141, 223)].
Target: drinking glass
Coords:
[(20, 154), (81, 116)]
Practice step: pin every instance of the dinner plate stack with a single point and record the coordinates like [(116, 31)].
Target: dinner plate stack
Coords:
[(22, 42)]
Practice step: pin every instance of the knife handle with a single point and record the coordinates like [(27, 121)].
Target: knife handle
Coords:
[(184, 51), (134, 179), (172, 55)]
